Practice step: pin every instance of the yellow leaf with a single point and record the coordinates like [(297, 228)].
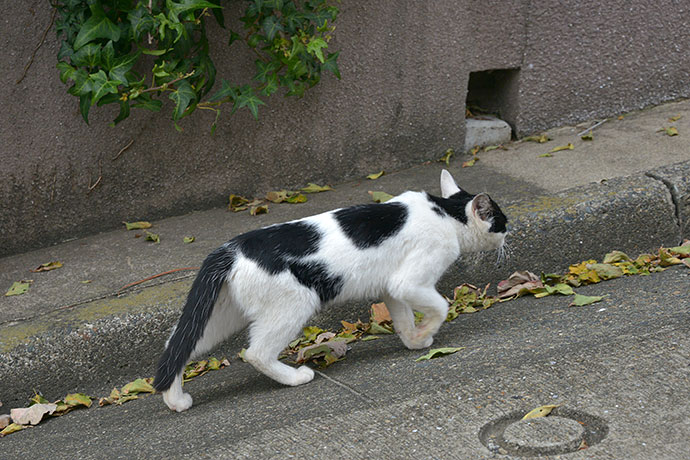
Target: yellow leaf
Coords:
[(375, 175), (446, 157), (137, 225), (568, 146), (379, 313), (237, 203), (296, 198), (78, 399), (314, 188), (188, 239), (589, 136), (18, 287), (470, 163), (138, 386), (541, 411), (676, 118), (48, 266), (671, 131), (256, 210), (380, 197), (540, 139), (152, 237), (545, 155), (11, 428)]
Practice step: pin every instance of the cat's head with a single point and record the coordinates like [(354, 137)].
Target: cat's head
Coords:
[(486, 223)]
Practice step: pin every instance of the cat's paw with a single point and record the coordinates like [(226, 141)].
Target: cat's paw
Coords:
[(419, 343), (179, 404), (303, 374)]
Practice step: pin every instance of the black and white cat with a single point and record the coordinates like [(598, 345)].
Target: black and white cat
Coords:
[(275, 278)]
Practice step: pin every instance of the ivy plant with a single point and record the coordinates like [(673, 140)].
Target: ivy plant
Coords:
[(136, 53)]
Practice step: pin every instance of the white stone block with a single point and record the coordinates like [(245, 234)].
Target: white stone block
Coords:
[(485, 131)]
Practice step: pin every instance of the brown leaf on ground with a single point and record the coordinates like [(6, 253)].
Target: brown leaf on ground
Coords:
[(31, 415), (518, 284), (46, 267), (380, 313)]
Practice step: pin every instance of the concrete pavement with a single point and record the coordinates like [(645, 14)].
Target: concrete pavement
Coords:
[(627, 189)]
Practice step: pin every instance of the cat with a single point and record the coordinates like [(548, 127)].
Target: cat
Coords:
[(275, 278)]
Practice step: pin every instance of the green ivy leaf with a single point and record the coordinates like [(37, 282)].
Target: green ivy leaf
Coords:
[(145, 102), (108, 55), (233, 36), (102, 86), (66, 71), (264, 70), (225, 92), (85, 106), (271, 85), (82, 83), (186, 6), (247, 98), (121, 66), (315, 47), (97, 26), (182, 96), (88, 56), (271, 26), (124, 112), (141, 22), (331, 64)]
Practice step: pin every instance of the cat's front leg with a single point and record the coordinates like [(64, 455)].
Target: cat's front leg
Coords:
[(435, 310)]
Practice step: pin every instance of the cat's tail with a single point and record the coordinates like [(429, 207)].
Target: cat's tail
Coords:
[(195, 316)]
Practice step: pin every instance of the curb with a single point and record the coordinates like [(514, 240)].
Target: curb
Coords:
[(120, 337)]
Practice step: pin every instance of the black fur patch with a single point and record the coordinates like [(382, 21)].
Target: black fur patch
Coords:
[(195, 315), (499, 221), (369, 225), (453, 206), (316, 277), (270, 246)]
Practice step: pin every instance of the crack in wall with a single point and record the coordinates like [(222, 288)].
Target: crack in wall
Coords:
[(676, 198)]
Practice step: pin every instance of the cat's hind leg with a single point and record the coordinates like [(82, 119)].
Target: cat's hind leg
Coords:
[(224, 321), (435, 310), (268, 336)]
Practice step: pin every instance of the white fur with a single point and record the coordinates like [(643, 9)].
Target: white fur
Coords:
[(403, 270)]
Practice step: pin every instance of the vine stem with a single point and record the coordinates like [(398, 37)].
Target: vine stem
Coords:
[(43, 38), (165, 86)]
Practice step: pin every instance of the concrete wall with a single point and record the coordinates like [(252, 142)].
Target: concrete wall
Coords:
[(405, 68)]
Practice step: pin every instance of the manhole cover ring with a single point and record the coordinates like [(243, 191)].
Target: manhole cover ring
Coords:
[(562, 432)]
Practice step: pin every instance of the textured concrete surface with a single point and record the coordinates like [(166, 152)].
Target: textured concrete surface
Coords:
[(555, 219), (400, 102), (622, 361)]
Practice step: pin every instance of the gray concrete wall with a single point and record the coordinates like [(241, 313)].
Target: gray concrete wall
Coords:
[(405, 67)]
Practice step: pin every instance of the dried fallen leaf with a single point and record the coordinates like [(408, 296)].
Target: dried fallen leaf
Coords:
[(541, 411), (540, 138), (588, 136), (188, 239), (314, 188), (545, 155), (48, 266), (606, 271), (18, 287), (616, 256), (380, 313), (582, 300), (446, 157), (237, 203), (78, 399), (138, 386), (256, 210), (277, 196), (568, 146), (375, 176), (489, 148), (112, 399), (137, 225), (520, 283), (670, 131), (5, 420), (380, 197), (296, 198), (152, 237), (33, 414), (370, 337), (11, 428), (438, 352), (470, 163), (331, 351), (376, 328), (676, 118)]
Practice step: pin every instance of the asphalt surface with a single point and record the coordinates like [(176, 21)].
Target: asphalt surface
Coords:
[(625, 367)]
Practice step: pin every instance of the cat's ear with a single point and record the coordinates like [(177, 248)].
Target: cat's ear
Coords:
[(482, 206), (448, 185)]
